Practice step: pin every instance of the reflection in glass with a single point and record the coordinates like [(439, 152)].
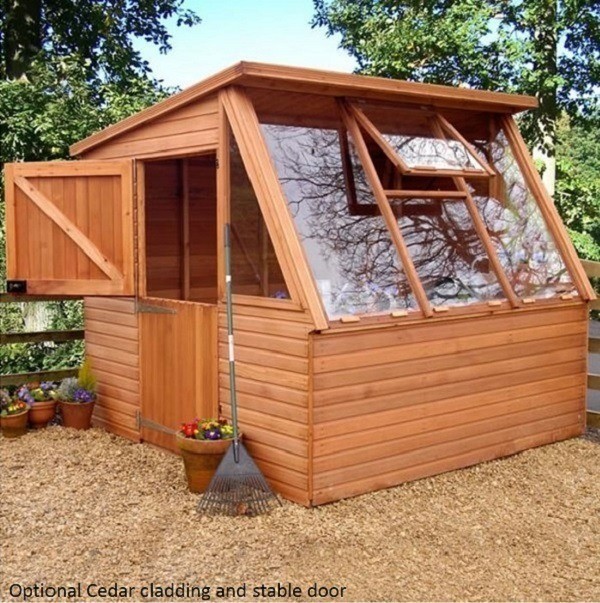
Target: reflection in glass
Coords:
[(348, 247), (447, 252), (420, 151), (526, 250), (254, 266)]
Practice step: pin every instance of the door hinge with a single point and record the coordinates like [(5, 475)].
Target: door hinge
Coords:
[(143, 422), (142, 308)]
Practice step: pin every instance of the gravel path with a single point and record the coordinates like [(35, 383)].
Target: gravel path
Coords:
[(92, 508)]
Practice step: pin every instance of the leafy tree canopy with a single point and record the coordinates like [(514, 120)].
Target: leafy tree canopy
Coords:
[(546, 48)]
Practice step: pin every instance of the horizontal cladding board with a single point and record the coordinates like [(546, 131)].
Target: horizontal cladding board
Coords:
[(280, 314), (125, 432), (267, 374), (274, 343), (115, 330), (285, 460), (407, 407), (268, 406), (114, 304), (267, 390), (457, 375), (114, 417), (482, 385), (450, 360), (126, 358), (266, 358), (175, 127), (117, 393), (127, 383), (555, 429), (399, 438), (111, 341), (117, 405), (456, 345), (254, 430), (193, 142), (469, 437), (270, 326), (115, 368), (331, 343), (116, 318)]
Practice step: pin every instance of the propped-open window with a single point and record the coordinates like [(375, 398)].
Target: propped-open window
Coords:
[(388, 206), (351, 255)]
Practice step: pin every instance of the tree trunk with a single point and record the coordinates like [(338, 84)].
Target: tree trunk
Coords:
[(545, 36), (22, 35)]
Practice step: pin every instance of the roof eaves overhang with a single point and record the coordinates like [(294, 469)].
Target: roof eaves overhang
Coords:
[(330, 83)]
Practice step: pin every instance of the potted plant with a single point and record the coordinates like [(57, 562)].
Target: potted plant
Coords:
[(202, 444), (41, 401), (13, 415), (77, 398)]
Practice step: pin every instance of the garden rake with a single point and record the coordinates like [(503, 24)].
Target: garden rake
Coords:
[(238, 487)]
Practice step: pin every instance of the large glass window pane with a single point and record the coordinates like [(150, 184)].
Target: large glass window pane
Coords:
[(346, 242), (411, 135), (254, 266), (447, 252), (525, 247)]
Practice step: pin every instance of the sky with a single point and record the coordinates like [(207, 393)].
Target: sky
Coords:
[(270, 31)]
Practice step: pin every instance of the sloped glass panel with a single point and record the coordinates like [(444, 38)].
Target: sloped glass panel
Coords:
[(412, 137), (345, 239), (255, 269), (447, 252), (524, 245)]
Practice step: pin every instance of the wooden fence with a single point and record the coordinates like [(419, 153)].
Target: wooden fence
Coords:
[(37, 337), (592, 269)]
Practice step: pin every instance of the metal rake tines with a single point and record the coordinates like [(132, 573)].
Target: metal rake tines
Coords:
[(238, 494)]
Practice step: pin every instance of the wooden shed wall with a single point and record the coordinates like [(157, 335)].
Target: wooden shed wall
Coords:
[(271, 349), (408, 402), (112, 345), (191, 129)]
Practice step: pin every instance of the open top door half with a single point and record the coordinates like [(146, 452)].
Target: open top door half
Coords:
[(69, 227)]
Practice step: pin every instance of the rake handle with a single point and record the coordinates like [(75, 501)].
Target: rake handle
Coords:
[(229, 305)]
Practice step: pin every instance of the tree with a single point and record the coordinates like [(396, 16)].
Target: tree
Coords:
[(69, 68), (100, 33), (546, 48)]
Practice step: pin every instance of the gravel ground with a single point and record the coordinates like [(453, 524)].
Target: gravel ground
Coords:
[(89, 507)]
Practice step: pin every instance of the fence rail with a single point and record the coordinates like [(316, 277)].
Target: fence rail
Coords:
[(38, 337), (592, 269)]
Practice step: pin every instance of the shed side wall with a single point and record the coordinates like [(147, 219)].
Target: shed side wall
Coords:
[(408, 402), (112, 345), (271, 353), (192, 129)]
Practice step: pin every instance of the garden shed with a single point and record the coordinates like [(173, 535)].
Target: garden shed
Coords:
[(406, 298)]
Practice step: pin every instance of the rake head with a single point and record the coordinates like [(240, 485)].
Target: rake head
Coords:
[(238, 487)]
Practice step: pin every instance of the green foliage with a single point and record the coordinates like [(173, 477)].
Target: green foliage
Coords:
[(68, 69), (578, 186), (541, 47)]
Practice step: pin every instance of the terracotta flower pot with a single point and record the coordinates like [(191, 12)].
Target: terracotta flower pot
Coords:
[(77, 414), (201, 459), (41, 413), (14, 426)]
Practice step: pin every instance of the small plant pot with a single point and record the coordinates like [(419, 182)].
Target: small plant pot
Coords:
[(14, 426), (41, 413), (201, 459), (77, 414)]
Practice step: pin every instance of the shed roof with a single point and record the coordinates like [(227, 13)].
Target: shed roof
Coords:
[(315, 81)]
